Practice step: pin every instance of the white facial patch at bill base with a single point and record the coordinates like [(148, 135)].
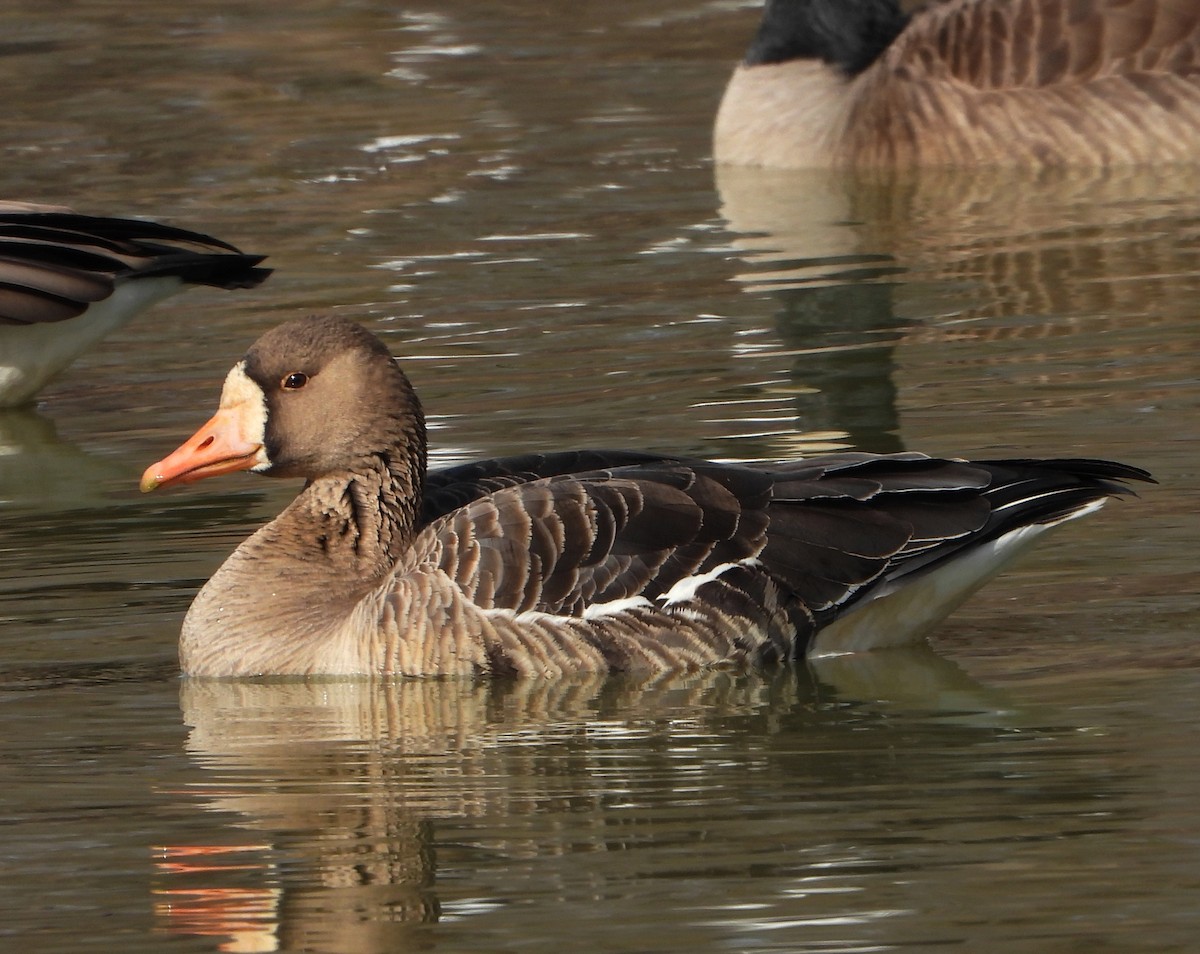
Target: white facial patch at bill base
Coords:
[(246, 403)]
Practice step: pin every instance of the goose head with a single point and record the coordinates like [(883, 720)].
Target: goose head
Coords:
[(312, 398)]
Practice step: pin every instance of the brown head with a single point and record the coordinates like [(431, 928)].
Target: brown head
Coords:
[(314, 397)]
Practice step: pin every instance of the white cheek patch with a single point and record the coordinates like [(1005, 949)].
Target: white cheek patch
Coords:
[(246, 401)]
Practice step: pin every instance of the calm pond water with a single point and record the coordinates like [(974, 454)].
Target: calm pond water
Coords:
[(518, 197)]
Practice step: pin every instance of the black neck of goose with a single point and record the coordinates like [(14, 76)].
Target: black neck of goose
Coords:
[(847, 34)]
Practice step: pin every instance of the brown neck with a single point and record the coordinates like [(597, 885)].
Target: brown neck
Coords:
[(384, 510), (353, 526)]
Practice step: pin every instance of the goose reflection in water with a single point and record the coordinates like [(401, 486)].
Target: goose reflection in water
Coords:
[(332, 805), (41, 470), (1002, 275)]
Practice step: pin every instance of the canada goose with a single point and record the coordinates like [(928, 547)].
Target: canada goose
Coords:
[(67, 280), (857, 83), (578, 561)]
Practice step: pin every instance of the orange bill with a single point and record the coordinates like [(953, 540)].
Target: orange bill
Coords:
[(217, 448)]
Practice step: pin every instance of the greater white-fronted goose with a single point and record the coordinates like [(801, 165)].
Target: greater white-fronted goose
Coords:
[(857, 83), (576, 561), (67, 280)]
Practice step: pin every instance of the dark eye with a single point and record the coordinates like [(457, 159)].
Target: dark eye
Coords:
[(295, 381)]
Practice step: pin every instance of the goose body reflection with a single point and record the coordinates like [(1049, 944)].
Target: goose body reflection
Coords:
[(336, 814), (858, 83), (584, 561), (68, 280)]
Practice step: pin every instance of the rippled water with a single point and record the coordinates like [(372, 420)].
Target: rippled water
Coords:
[(518, 197)]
